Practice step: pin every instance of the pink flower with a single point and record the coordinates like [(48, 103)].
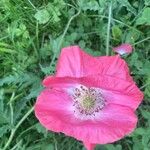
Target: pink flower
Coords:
[(92, 99), (123, 49)]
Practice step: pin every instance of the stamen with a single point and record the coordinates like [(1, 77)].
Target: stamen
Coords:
[(87, 102)]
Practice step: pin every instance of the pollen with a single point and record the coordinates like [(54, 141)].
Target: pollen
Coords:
[(87, 102)]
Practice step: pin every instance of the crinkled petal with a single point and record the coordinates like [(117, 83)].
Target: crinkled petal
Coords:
[(74, 62), (61, 82), (123, 49), (89, 146), (115, 90), (51, 105), (53, 98), (114, 66), (114, 123), (54, 113), (53, 108), (130, 100)]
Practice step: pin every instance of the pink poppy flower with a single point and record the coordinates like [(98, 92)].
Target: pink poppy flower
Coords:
[(123, 49), (92, 99)]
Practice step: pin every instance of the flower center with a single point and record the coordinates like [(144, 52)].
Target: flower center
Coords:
[(87, 102)]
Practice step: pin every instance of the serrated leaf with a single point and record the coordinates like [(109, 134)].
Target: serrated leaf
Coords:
[(144, 18), (145, 140), (42, 16), (139, 131), (89, 5), (128, 6), (145, 68), (41, 129), (147, 2), (7, 80), (3, 130), (110, 147), (3, 118), (55, 10), (41, 146), (132, 36), (146, 114), (34, 92)]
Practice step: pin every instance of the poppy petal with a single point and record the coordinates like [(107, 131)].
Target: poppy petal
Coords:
[(114, 123), (54, 112), (114, 66), (115, 90), (74, 62), (123, 49), (53, 108), (89, 146), (132, 101)]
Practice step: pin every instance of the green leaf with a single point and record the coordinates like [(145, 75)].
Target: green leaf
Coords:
[(89, 5), (147, 2), (4, 130), (146, 139), (116, 32), (139, 131), (41, 129), (144, 18), (147, 89), (132, 36), (82, 44), (145, 68), (42, 16), (146, 114), (41, 146), (7, 50), (128, 6), (113, 147), (3, 118)]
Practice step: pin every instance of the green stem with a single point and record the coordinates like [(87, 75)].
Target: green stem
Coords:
[(17, 145), (115, 20), (148, 38), (37, 34), (16, 127), (63, 35), (108, 29), (144, 86), (32, 5), (11, 109)]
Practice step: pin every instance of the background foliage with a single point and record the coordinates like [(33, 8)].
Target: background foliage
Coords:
[(32, 33)]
